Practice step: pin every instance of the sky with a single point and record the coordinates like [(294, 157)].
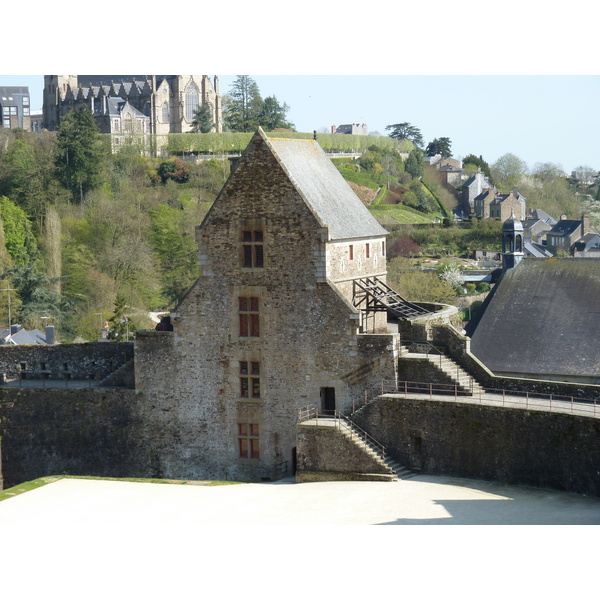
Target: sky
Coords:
[(495, 82)]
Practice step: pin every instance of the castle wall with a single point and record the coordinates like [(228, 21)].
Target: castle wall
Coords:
[(94, 360), (515, 446), (75, 432)]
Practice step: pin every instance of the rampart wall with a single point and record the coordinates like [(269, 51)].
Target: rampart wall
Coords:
[(93, 360), (514, 446), (78, 432)]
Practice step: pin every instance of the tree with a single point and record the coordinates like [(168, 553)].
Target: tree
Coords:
[(79, 152), (273, 115), (414, 163), (241, 111), (508, 170), (406, 131), (203, 122), (439, 146), (472, 163)]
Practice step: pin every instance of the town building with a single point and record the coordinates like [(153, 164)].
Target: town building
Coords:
[(351, 129), (15, 107), (566, 233), (167, 102)]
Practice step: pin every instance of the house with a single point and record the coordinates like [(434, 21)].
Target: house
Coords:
[(588, 246), (281, 317), (489, 204), (19, 336), (539, 320), (474, 186), (566, 232), (15, 107)]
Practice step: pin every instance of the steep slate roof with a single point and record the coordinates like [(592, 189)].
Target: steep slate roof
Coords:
[(565, 227), (543, 318), (324, 190)]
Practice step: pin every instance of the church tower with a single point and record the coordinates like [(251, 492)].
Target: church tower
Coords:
[(55, 88), (512, 242)]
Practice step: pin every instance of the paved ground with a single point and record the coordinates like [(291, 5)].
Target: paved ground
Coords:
[(99, 539), (422, 500)]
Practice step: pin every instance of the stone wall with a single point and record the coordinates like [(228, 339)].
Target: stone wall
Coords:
[(325, 453), (77, 432), (93, 360), (515, 446)]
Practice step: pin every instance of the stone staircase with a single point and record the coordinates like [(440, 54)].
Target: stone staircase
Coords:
[(393, 471), (450, 371)]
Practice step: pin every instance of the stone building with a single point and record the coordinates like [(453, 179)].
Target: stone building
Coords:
[(492, 205), (278, 319), (167, 101)]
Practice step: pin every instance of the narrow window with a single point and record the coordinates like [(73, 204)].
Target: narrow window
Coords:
[(367, 251), (383, 248), (249, 379), (350, 252), (248, 439), (248, 316), (252, 246), (191, 101)]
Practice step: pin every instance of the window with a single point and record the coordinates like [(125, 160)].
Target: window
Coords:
[(252, 247), (165, 113), (350, 252), (248, 440), (191, 101), (367, 251), (248, 315), (249, 379), (383, 248)]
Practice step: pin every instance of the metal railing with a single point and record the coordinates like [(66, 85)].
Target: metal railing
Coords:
[(311, 412), (495, 397)]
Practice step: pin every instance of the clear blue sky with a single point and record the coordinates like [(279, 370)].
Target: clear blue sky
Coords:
[(516, 78)]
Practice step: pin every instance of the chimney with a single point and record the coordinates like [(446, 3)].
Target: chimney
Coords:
[(585, 224), (14, 329), (50, 334)]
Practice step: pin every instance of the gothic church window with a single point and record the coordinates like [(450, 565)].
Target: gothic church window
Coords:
[(191, 101), (165, 113)]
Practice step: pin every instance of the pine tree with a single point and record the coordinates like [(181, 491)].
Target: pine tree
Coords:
[(79, 152), (241, 112), (202, 122)]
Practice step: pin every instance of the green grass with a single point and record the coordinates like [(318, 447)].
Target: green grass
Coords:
[(399, 214), (27, 486)]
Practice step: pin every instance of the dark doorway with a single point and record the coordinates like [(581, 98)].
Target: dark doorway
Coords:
[(416, 453), (294, 461), (328, 401)]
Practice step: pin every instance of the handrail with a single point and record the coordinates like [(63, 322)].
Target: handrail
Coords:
[(306, 413), (495, 396)]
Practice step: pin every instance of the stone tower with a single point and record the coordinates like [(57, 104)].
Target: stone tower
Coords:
[(55, 89)]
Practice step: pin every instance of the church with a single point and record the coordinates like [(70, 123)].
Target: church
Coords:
[(156, 104)]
